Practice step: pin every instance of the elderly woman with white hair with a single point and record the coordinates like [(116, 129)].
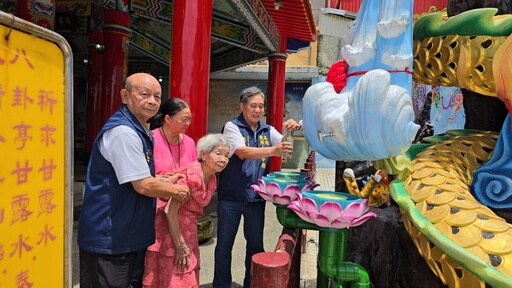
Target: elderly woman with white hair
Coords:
[(173, 261)]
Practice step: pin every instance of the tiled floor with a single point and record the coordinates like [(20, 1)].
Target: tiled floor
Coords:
[(324, 177)]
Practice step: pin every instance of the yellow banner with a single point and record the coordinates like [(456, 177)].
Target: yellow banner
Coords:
[(32, 169)]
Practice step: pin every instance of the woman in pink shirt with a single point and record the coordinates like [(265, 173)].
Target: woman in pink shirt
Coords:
[(173, 261), (172, 149)]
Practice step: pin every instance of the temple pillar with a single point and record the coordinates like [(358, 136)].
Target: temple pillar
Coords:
[(116, 34), (190, 59), (275, 98)]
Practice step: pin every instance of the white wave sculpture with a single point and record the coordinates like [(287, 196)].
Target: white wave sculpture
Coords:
[(372, 117)]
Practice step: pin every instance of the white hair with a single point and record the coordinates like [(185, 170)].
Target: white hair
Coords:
[(209, 142)]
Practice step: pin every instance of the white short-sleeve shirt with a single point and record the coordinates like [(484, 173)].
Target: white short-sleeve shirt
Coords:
[(123, 148), (236, 140)]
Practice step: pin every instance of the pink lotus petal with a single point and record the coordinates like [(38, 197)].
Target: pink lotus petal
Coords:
[(312, 214), (308, 205), (309, 186), (299, 197), (265, 196), (281, 199), (363, 219), (356, 208), (364, 201), (331, 210), (321, 220), (296, 204), (340, 224), (347, 218), (273, 189), (294, 197), (299, 212), (291, 191), (262, 184), (257, 188)]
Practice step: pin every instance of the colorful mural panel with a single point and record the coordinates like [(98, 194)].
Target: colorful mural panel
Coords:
[(446, 110)]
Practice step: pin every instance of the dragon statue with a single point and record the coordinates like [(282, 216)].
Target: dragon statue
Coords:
[(455, 183), (449, 191)]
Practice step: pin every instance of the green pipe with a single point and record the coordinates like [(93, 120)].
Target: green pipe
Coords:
[(325, 248), (355, 273), (342, 248), (331, 256), (331, 253)]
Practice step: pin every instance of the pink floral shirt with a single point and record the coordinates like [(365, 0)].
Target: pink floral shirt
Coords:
[(160, 269)]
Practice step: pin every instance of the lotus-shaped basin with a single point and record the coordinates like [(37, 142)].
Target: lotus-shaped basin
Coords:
[(281, 191), (331, 209)]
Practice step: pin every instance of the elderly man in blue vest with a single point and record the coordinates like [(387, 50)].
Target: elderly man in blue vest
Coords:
[(118, 211), (252, 145)]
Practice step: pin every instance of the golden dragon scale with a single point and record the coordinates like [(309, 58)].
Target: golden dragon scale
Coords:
[(465, 243), (460, 50), (438, 188)]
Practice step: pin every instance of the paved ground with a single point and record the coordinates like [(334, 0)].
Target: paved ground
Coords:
[(272, 231)]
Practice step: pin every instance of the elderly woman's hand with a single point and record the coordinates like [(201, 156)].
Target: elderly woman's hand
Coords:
[(182, 259)]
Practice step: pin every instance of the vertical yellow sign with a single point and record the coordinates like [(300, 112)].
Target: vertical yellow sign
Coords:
[(33, 161)]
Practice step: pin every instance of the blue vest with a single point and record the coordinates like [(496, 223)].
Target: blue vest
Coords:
[(236, 179), (115, 218)]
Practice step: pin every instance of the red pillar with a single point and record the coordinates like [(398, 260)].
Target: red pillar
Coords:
[(44, 16), (116, 32), (94, 88), (190, 59), (275, 114)]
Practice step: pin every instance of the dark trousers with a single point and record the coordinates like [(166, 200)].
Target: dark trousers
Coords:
[(104, 270), (138, 270), (229, 214)]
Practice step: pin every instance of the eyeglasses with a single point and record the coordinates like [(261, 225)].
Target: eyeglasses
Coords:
[(185, 120)]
